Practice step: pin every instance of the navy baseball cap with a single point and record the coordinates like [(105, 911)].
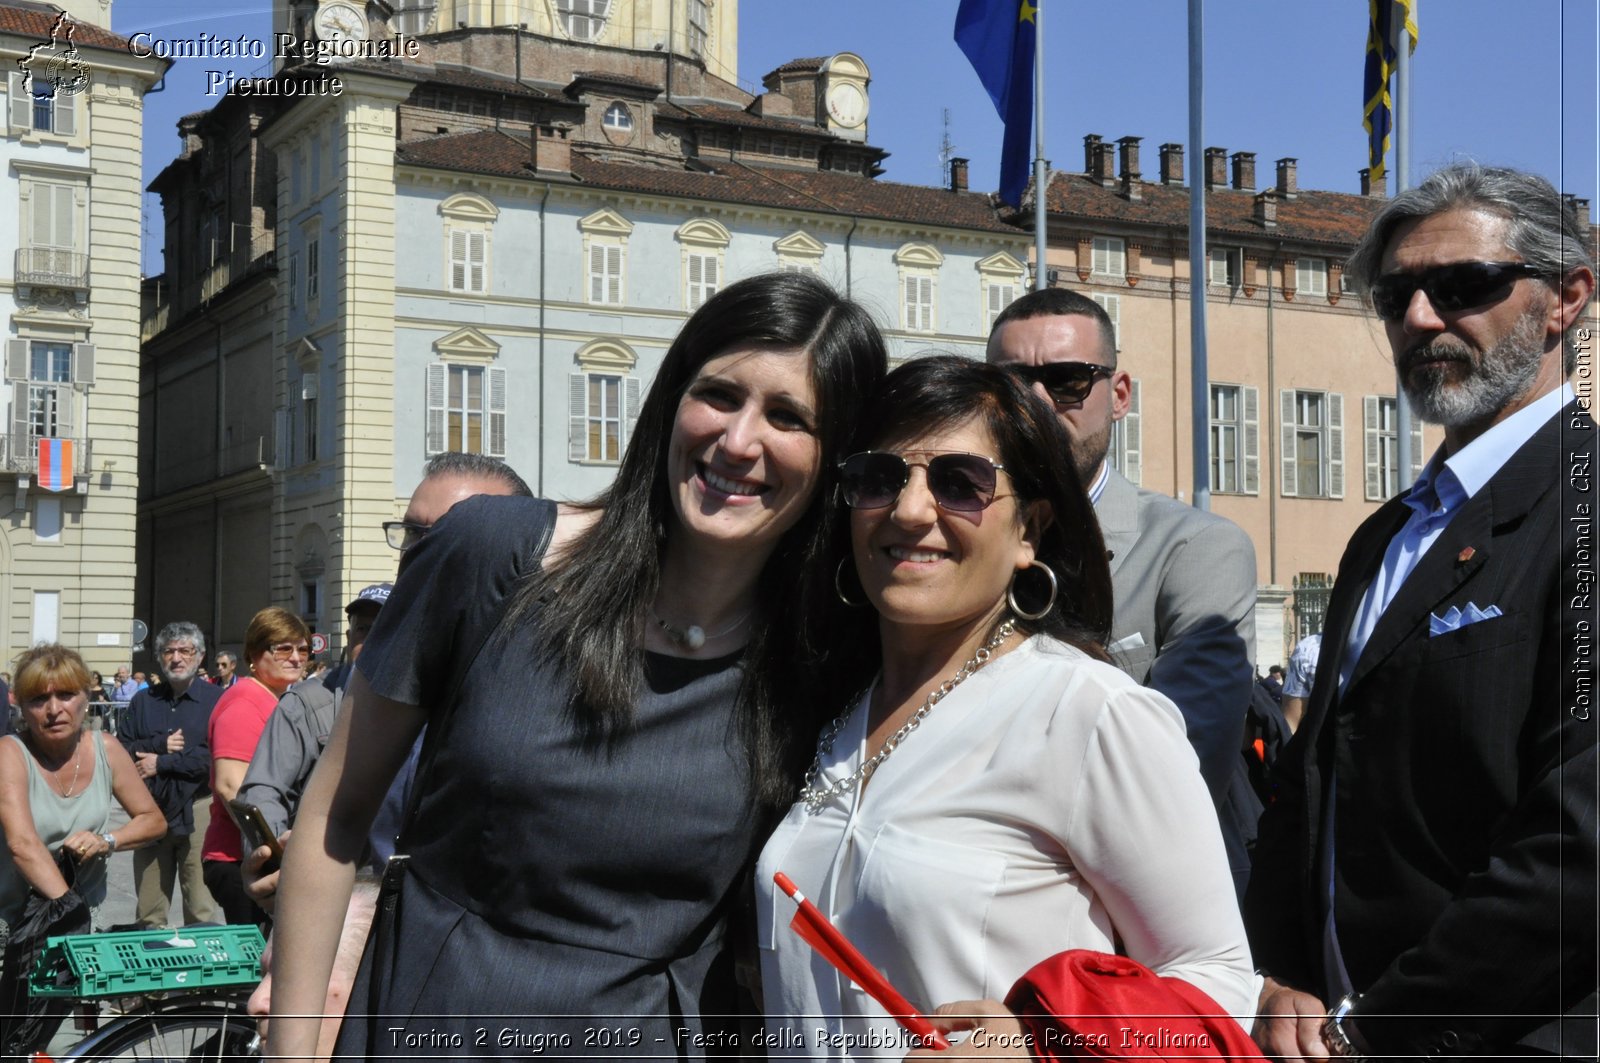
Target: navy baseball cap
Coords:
[(375, 595)]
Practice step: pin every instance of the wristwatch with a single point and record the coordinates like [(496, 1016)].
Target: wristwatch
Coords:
[(1339, 1031), (110, 840)]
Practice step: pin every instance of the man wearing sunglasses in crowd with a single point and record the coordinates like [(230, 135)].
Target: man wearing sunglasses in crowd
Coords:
[(1184, 580), (1425, 881), (299, 729)]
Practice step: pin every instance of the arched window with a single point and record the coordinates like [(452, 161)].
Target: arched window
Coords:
[(583, 19), (618, 117)]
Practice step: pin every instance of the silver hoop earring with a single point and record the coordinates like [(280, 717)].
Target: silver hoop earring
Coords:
[(838, 585), (1011, 593)]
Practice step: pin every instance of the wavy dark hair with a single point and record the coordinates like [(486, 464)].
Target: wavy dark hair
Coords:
[(593, 607), (927, 395)]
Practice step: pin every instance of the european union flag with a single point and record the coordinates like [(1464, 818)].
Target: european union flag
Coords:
[(1382, 57), (999, 38)]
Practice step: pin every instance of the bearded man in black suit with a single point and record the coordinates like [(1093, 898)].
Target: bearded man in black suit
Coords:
[(1425, 882)]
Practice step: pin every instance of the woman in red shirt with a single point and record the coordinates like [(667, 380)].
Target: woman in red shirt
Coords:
[(277, 645)]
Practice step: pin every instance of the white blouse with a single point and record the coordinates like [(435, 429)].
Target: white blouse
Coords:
[(1048, 803)]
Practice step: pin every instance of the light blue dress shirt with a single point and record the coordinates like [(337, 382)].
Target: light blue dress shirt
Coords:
[(1098, 488), (1446, 484)]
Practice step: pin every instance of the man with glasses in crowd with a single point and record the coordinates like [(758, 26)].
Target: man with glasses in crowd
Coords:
[(1425, 882), (1184, 580), (227, 670), (164, 730)]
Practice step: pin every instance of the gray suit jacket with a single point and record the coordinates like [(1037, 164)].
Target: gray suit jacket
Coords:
[(1185, 600)]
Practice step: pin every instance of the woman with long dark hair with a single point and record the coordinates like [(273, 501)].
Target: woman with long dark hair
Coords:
[(1000, 792), (618, 695)]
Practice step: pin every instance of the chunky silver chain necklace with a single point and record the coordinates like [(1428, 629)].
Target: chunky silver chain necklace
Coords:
[(816, 796)]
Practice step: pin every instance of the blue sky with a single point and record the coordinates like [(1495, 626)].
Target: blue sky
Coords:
[(1505, 82)]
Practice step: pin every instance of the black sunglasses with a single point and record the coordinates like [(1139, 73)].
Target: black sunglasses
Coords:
[(1066, 382), (402, 534), (1458, 286), (959, 483)]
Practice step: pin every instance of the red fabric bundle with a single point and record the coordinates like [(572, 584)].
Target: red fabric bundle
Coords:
[(1082, 1003)]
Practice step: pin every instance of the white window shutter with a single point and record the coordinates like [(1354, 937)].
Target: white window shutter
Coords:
[(614, 275), (65, 116), (437, 381), (458, 260), (1335, 445), (632, 402), (597, 273), (477, 262), (1286, 426), (710, 280), (1372, 419), (1132, 467), (21, 423), (1251, 400), (21, 103), (17, 352), (66, 409), (497, 412), (578, 418), (691, 298), (1418, 458)]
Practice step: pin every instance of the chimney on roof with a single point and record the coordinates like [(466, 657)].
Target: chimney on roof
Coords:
[(1288, 182), (1216, 168), (958, 175), (1128, 150), (1369, 187), (1172, 164), (1580, 210), (1244, 171), (1267, 208), (552, 151), (1091, 153)]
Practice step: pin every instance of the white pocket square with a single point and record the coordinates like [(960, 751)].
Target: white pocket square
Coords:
[(1455, 618), (1126, 643)]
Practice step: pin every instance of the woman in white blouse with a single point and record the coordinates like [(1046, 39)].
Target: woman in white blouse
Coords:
[(1046, 802)]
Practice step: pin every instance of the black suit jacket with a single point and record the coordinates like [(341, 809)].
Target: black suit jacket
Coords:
[(1465, 829)]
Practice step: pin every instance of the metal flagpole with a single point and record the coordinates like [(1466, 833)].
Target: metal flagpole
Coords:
[(1402, 181), (1199, 394), (1041, 168)]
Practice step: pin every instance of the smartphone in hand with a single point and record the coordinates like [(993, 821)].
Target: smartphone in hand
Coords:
[(254, 830)]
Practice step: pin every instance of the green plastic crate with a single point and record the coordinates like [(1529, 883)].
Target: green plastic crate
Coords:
[(148, 961)]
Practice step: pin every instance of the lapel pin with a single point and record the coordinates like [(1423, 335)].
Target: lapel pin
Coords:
[(1465, 555)]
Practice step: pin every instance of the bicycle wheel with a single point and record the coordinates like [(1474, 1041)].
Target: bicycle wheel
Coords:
[(175, 1031)]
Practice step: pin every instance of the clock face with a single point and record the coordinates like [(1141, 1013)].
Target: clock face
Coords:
[(847, 104), (340, 21)]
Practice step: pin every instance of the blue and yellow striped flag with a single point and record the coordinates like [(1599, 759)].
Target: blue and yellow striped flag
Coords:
[(1000, 37), (1382, 57)]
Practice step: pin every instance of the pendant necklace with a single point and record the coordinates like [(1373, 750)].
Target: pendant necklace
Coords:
[(694, 636)]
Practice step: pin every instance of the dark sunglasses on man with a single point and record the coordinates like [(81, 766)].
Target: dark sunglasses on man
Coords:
[(1457, 286), (1067, 383), (959, 483)]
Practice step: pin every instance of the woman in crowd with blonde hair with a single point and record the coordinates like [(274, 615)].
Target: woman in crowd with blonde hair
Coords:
[(57, 779)]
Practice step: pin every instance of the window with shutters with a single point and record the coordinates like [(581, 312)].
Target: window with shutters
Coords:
[(33, 107), (1312, 426), (43, 376), (1235, 439), (310, 422), (55, 232), (468, 234), (1001, 278), (1224, 267), (466, 410), (1109, 257), (605, 247), (583, 19), (605, 399), (1126, 442), (699, 27), (1381, 419), (313, 270), (705, 245), (919, 288), (1112, 305), (1311, 276), (800, 252)]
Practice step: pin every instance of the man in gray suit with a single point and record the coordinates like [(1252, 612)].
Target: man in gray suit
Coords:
[(1184, 579)]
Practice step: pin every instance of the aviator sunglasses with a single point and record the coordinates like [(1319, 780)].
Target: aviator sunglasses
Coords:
[(1458, 286), (959, 483), (1066, 382)]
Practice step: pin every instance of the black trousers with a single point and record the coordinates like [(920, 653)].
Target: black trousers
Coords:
[(227, 889)]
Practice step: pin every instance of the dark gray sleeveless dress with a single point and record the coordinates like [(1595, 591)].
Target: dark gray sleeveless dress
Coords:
[(561, 899)]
